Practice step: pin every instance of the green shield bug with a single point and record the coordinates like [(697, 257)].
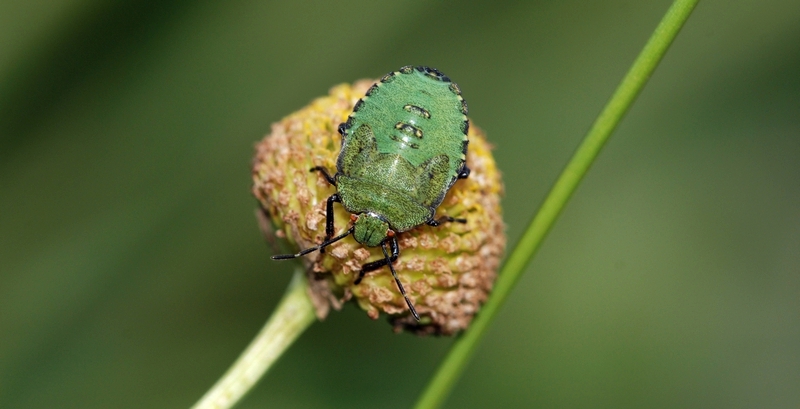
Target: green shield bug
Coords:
[(403, 147)]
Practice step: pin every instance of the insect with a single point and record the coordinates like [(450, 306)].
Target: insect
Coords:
[(403, 147)]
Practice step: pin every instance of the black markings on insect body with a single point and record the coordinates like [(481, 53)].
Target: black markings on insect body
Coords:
[(408, 129), (418, 111), (372, 89), (464, 172), (411, 145), (433, 73), (388, 77), (358, 106), (347, 125), (464, 109)]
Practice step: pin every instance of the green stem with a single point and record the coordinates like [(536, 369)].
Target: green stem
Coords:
[(293, 315), (449, 371)]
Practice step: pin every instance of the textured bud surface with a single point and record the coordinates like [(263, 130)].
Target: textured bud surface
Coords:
[(447, 270)]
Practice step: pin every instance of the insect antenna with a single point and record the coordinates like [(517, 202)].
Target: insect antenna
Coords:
[(399, 285), (310, 249)]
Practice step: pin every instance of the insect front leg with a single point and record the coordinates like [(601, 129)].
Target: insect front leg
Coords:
[(387, 261), (395, 253), (329, 217), (443, 219), (366, 268), (310, 249)]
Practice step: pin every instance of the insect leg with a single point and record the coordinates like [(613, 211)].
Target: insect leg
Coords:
[(310, 249), (366, 268), (443, 219), (325, 173), (395, 252), (329, 217)]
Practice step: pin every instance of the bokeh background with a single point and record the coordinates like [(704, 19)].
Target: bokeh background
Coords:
[(132, 271)]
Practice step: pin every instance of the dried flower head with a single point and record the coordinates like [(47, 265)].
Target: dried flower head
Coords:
[(447, 270)]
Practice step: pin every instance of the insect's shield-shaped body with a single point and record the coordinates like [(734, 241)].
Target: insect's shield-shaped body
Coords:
[(403, 147)]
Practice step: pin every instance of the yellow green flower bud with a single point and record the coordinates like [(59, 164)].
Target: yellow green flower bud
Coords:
[(448, 271)]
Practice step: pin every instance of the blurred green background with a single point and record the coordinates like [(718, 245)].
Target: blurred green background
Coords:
[(133, 272)]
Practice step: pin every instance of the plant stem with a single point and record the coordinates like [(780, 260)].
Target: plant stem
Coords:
[(451, 368), (293, 315)]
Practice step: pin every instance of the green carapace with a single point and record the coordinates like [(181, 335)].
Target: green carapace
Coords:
[(403, 147)]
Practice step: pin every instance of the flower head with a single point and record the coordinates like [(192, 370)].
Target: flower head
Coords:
[(447, 270)]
